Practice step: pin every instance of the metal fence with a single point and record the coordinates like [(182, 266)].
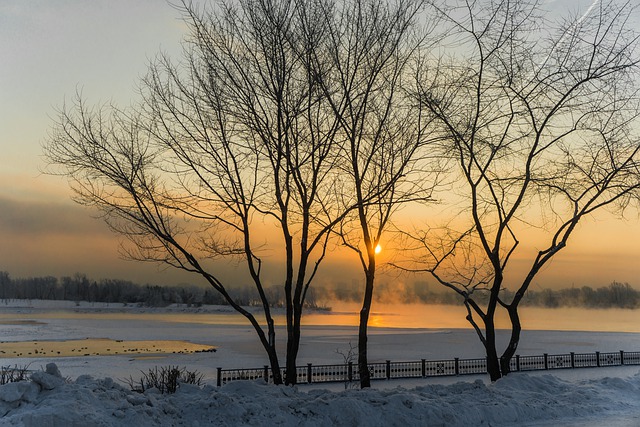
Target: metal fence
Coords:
[(433, 368)]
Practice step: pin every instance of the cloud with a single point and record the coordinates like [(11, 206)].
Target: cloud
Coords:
[(31, 219), (58, 239)]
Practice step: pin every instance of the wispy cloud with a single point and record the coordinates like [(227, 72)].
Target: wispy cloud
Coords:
[(32, 219)]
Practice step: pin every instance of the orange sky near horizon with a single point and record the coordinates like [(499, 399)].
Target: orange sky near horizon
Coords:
[(50, 50), (48, 237)]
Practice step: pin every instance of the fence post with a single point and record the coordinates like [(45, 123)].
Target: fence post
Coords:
[(265, 374), (621, 357), (456, 363), (350, 373), (388, 369), (219, 380), (546, 362), (598, 359), (517, 362), (309, 373), (573, 360), (424, 368)]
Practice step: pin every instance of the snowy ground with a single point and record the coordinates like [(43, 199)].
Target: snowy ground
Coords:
[(89, 391)]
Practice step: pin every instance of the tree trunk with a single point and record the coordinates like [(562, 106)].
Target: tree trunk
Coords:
[(514, 340), (293, 346), (275, 365), (295, 305), (292, 333), (493, 363), (363, 364), (268, 342), (272, 354)]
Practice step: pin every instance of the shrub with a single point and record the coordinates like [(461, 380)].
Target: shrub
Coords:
[(12, 375), (349, 356), (166, 379)]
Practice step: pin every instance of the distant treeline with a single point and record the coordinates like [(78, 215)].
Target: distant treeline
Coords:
[(616, 295), (81, 288)]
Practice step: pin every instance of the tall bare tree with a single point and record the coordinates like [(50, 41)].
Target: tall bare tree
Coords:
[(366, 69), (542, 121), (234, 139)]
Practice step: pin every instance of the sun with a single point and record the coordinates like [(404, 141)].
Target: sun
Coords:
[(378, 249)]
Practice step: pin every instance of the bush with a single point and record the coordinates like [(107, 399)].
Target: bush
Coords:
[(12, 375), (166, 379)]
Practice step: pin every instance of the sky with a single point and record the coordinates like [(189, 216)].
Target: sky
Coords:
[(50, 50)]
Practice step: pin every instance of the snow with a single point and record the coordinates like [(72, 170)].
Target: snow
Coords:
[(519, 399), (88, 391)]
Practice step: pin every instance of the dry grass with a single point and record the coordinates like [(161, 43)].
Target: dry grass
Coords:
[(166, 379)]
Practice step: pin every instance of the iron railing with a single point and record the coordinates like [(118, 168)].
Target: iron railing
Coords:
[(423, 368)]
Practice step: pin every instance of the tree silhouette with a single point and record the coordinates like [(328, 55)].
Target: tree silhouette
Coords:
[(236, 137), (368, 79), (541, 120)]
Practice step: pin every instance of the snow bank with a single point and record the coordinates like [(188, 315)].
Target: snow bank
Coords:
[(520, 399)]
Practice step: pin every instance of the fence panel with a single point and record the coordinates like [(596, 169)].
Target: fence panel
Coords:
[(377, 371), (472, 366), (406, 369), (241, 374), (531, 363), (559, 361), (585, 360), (610, 359), (329, 373), (632, 358), (439, 368)]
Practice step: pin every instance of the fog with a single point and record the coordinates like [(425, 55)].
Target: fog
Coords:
[(452, 316)]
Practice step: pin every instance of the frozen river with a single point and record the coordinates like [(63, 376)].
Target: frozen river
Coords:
[(398, 333)]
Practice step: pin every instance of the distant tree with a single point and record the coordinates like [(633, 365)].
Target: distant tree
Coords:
[(5, 283), (548, 298), (622, 295), (541, 120), (43, 288)]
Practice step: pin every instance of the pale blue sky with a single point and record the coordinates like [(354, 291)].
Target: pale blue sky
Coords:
[(49, 49)]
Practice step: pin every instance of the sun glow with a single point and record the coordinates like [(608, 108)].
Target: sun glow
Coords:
[(378, 249)]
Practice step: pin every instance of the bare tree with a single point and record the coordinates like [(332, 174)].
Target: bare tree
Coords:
[(366, 69), (542, 122), (234, 139)]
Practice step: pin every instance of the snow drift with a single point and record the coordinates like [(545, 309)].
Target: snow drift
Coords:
[(519, 399)]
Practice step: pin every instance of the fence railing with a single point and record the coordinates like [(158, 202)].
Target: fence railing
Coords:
[(423, 368)]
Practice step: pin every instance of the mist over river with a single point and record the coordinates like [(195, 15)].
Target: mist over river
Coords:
[(450, 316)]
